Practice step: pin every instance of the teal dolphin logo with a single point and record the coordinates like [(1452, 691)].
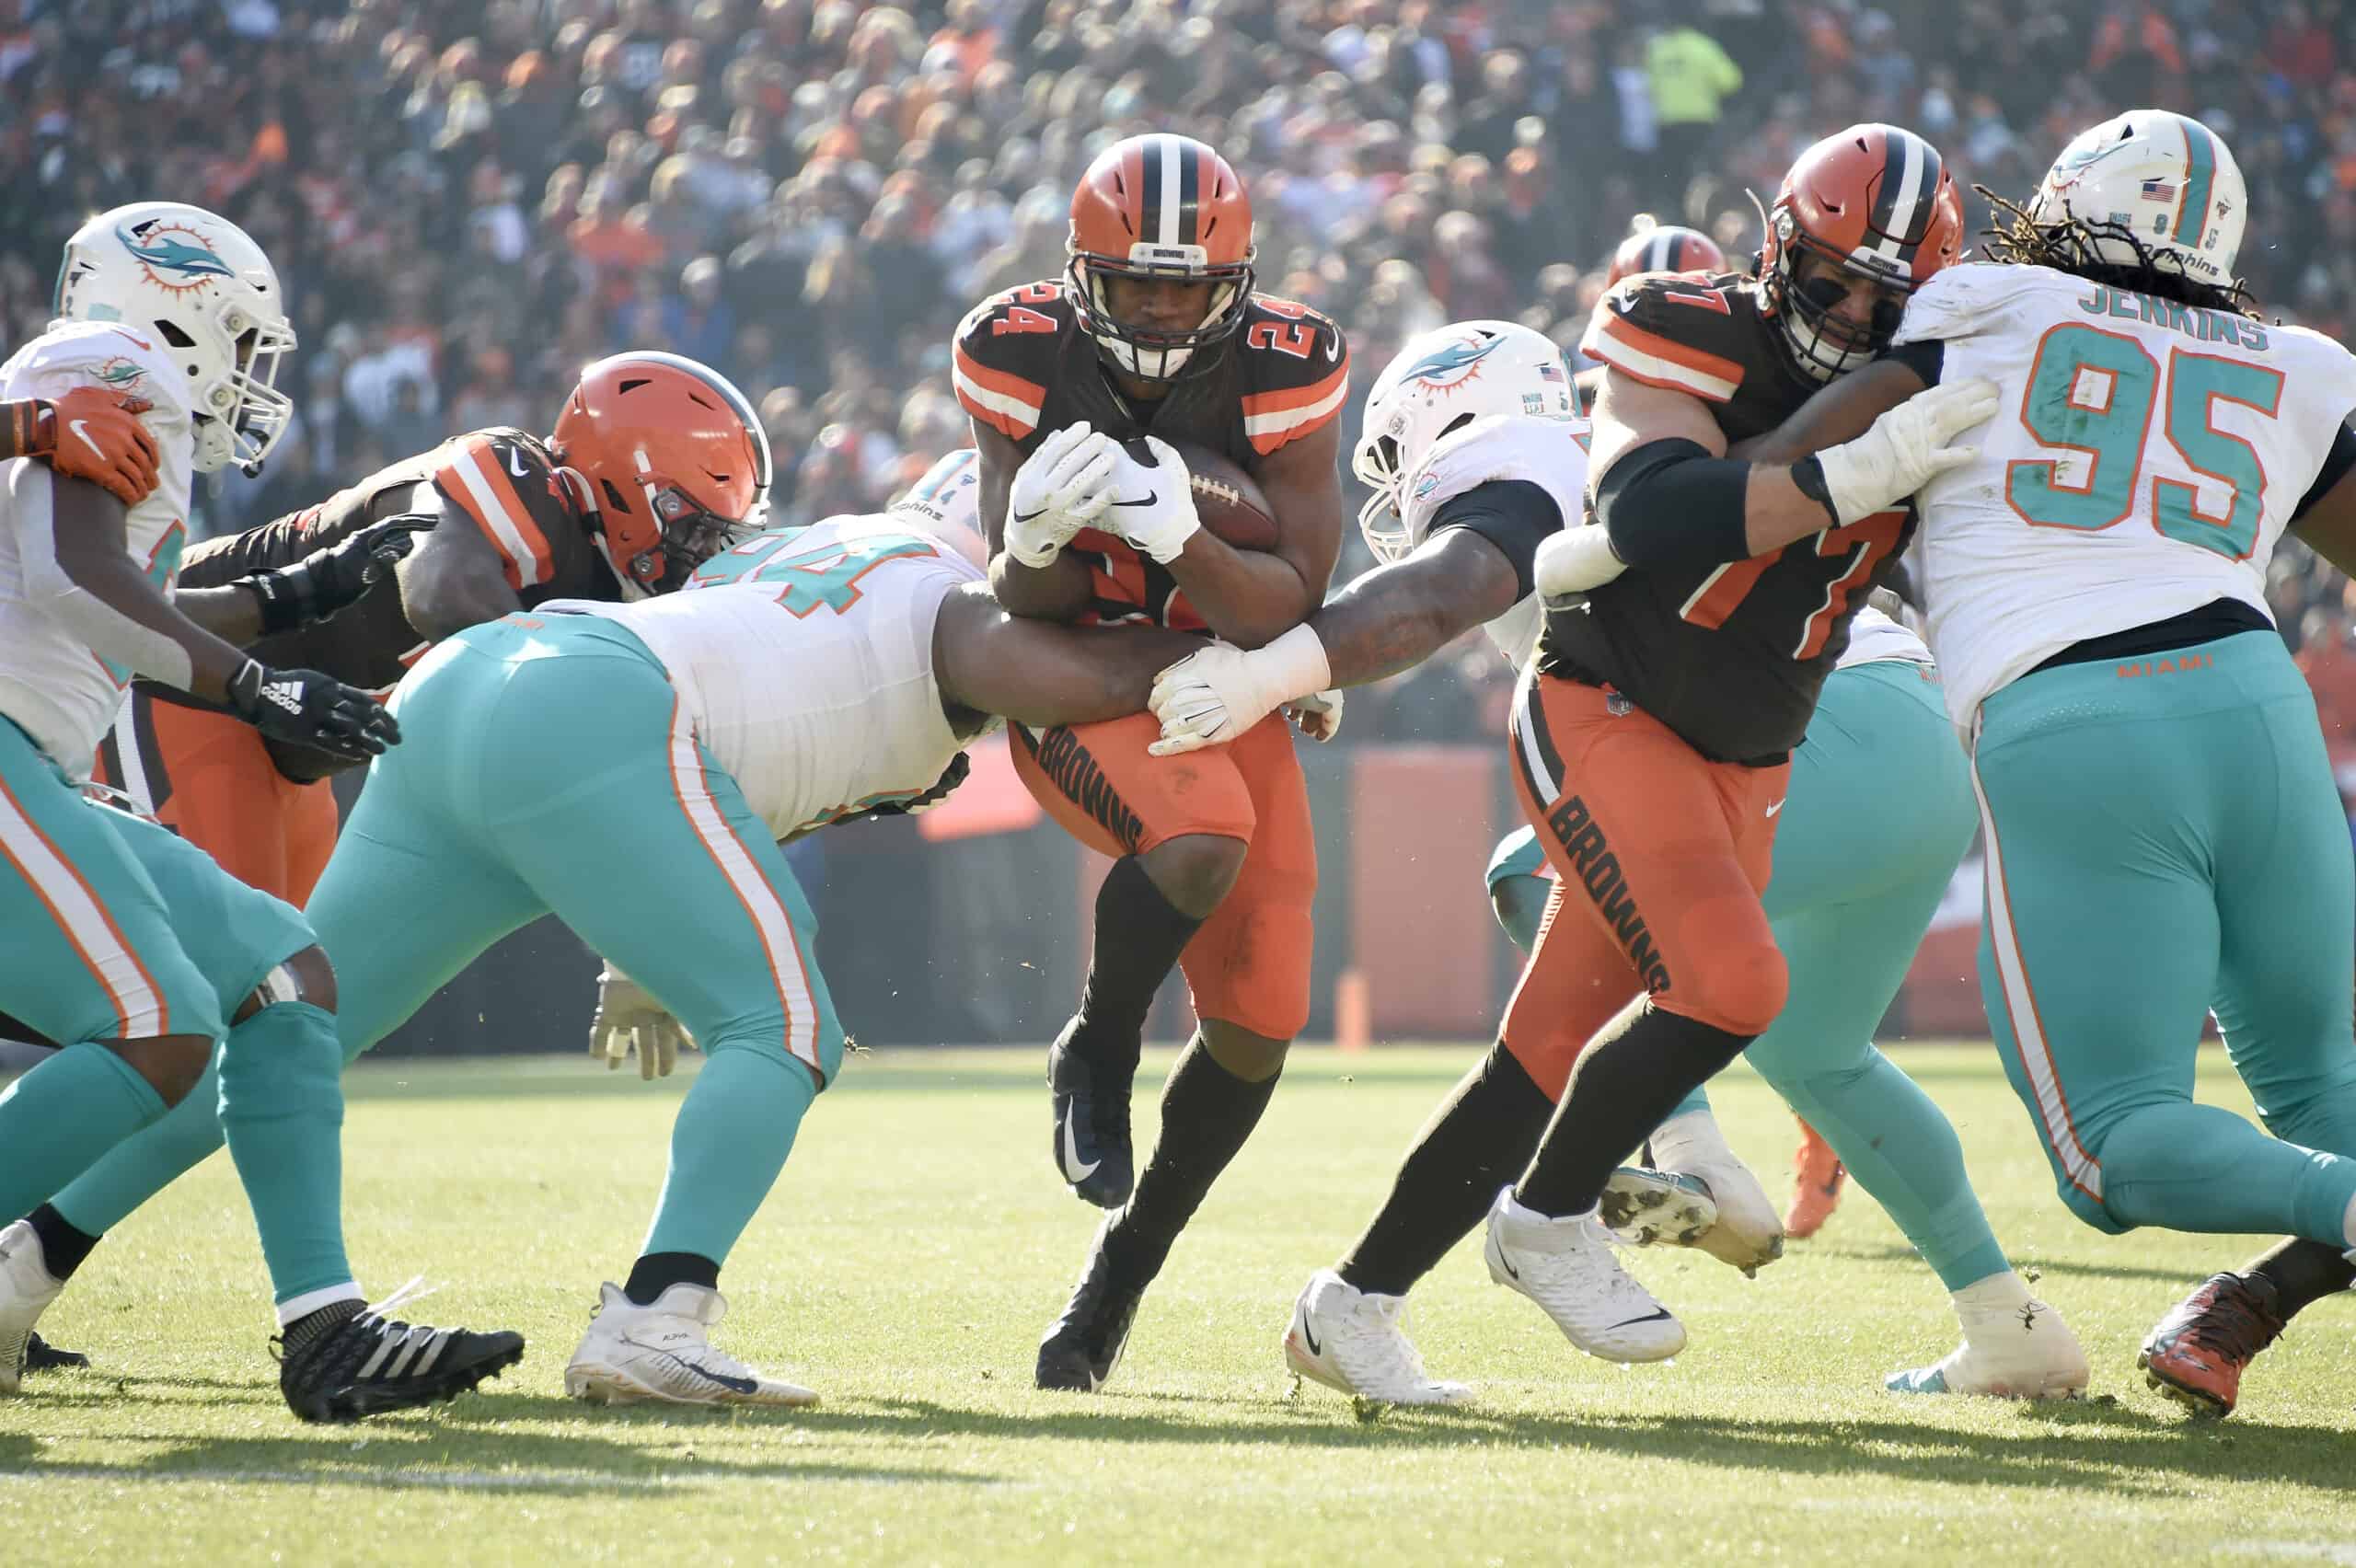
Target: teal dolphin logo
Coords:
[(166, 247), (1452, 364)]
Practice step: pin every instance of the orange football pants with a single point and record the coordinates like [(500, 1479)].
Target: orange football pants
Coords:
[(209, 779), (1248, 965), (1660, 857)]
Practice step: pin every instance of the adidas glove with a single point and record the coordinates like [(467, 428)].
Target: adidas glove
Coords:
[(1900, 452), (628, 1019), (329, 579), (312, 709), (1153, 500), (1060, 490)]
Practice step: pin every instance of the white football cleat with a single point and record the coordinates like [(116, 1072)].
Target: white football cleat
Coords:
[(1567, 1268), (27, 1289), (1748, 1233), (664, 1352), (1357, 1342), (2015, 1347), (1657, 1208)]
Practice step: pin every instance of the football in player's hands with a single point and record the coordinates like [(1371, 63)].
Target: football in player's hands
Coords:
[(1228, 499)]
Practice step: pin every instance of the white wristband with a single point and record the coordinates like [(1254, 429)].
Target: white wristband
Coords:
[(1296, 663)]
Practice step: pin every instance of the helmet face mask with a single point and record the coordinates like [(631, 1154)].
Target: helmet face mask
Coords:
[(675, 460), (1159, 208), (1875, 203), (203, 287), (1437, 383)]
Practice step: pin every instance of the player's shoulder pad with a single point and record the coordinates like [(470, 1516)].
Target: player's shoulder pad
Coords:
[(1296, 365), (510, 485), (1003, 356), (1551, 453), (1678, 330), (2326, 370), (1971, 296), (104, 354)]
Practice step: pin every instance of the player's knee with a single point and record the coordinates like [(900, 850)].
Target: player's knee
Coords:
[(1746, 987), (1255, 1058), (305, 977), (1195, 871), (172, 1064)]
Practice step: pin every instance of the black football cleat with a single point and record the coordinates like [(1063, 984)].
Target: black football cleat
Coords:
[(365, 1363), (1083, 1347), (42, 1356), (1091, 1132)]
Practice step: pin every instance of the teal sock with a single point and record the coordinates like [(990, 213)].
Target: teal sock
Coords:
[(2198, 1168), (1902, 1149), (57, 1120), (732, 1138), (282, 1109), (145, 1163)]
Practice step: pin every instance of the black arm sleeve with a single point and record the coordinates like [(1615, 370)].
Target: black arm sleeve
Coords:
[(1926, 357), (1669, 504), (2335, 464), (1513, 514)]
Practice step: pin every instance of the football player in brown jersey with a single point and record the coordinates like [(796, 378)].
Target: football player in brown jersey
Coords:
[(1155, 332), (656, 463)]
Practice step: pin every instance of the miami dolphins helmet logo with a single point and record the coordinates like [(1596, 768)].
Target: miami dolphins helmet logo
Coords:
[(175, 256), (1452, 366)]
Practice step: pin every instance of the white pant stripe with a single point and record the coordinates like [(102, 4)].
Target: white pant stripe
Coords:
[(1526, 733), (139, 1010), (769, 914), (2020, 1005)]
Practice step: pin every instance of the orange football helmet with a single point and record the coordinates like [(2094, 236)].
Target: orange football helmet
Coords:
[(1877, 201), (1167, 208), (675, 461), (1667, 248)]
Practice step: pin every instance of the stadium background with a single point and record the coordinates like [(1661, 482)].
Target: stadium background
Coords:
[(468, 199)]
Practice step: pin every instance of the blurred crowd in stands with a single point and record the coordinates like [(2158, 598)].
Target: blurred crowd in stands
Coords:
[(469, 199)]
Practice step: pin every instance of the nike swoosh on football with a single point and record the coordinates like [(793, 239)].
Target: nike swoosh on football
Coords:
[(1074, 1171), (1152, 496), (1661, 1316)]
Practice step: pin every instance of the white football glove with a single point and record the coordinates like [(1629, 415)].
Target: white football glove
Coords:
[(627, 1018), (1319, 714), (1153, 503), (1572, 562), (1058, 491), (1209, 697), (1906, 448)]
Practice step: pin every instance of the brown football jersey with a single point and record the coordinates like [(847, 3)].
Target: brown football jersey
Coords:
[(1730, 657), (502, 481), (1024, 366)]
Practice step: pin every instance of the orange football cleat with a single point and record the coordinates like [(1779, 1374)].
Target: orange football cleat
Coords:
[(1820, 1176), (2195, 1354)]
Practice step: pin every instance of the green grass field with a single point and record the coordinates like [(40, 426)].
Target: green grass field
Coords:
[(917, 1244)]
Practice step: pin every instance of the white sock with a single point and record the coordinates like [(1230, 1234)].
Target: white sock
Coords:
[(1682, 1141), (1998, 1293), (296, 1308)]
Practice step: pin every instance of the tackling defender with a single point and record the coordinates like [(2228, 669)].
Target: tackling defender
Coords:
[(2164, 837), (650, 469), (1155, 332), (130, 948)]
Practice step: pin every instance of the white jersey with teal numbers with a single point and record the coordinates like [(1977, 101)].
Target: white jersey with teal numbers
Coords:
[(1550, 453), (803, 660), (56, 689), (2145, 460)]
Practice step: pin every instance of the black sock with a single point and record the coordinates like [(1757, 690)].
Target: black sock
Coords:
[(1479, 1139), (1620, 1088), (311, 1325), (658, 1272), (2302, 1273), (1139, 935), (62, 1248), (1207, 1115)]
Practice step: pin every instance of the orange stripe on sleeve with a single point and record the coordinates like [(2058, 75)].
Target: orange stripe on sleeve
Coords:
[(1617, 330)]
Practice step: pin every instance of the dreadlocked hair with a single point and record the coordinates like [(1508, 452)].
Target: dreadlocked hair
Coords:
[(2068, 246)]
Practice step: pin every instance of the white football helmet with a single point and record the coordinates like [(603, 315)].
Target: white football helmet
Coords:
[(947, 503), (1449, 376), (2163, 178), (205, 288)]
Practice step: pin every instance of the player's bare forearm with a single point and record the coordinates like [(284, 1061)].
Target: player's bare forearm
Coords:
[(92, 554), (992, 661), (1251, 597), (2329, 526), (1056, 592), (1397, 616), (1777, 511), (233, 614)]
